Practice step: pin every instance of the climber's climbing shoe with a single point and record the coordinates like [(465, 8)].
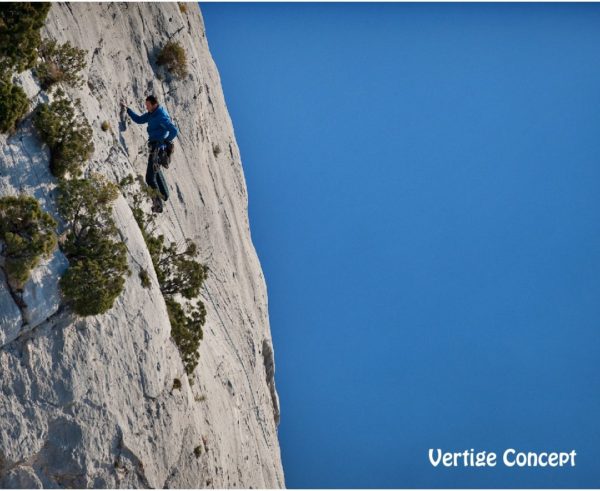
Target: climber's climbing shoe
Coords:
[(157, 206)]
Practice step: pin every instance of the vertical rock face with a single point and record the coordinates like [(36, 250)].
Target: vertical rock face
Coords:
[(90, 402)]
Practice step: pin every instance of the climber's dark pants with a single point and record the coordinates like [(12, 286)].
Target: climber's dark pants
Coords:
[(155, 178)]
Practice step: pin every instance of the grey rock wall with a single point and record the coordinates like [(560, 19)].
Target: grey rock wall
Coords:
[(89, 402)]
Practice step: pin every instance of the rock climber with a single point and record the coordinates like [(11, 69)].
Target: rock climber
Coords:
[(160, 130)]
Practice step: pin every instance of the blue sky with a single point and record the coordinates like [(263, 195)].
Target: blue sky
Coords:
[(424, 199)]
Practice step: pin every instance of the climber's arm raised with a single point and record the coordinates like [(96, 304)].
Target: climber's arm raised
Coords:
[(137, 118)]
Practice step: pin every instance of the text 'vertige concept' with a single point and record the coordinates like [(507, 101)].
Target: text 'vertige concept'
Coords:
[(510, 458)]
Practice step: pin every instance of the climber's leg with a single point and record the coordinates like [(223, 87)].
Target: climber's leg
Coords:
[(162, 184), (151, 180), (150, 174)]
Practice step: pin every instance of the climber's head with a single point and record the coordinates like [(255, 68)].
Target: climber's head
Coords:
[(151, 103)]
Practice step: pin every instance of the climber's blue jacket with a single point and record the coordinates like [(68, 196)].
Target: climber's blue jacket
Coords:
[(160, 126)]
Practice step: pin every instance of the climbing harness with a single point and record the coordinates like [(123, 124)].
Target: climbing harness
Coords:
[(161, 155)]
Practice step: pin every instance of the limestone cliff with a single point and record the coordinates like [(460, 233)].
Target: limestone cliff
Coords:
[(89, 401)]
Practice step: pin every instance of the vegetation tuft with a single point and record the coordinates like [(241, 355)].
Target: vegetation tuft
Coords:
[(14, 104), (186, 330), (67, 133), (20, 24), (97, 258), (179, 275), (27, 233), (145, 278), (60, 63), (173, 57)]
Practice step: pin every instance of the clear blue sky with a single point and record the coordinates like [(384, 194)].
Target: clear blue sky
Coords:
[(424, 185)]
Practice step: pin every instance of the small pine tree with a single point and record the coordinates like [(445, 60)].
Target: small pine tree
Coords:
[(28, 234), (177, 271), (91, 285), (97, 257), (60, 63), (14, 104), (186, 330), (179, 274), (68, 135), (20, 24)]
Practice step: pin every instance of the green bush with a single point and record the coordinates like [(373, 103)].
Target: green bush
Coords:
[(14, 104), (92, 285), (145, 278), (177, 271), (179, 274), (60, 63), (20, 24), (97, 256), (146, 193), (68, 135), (186, 330), (28, 234), (173, 57)]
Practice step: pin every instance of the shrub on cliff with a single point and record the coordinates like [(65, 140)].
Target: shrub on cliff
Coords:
[(179, 275), (97, 257), (67, 133), (137, 199), (14, 104), (186, 330), (20, 24), (27, 233), (177, 270), (173, 57), (60, 63)]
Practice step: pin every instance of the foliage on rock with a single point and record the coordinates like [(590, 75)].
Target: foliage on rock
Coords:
[(173, 57), (97, 257), (14, 104), (28, 234), (20, 24), (66, 132), (145, 278), (60, 63), (177, 270), (179, 275), (137, 200), (186, 330)]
